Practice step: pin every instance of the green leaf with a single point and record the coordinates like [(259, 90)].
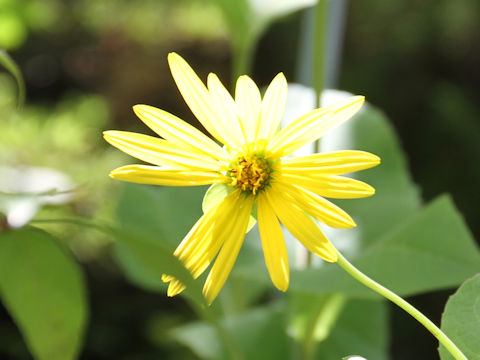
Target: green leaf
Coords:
[(362, 328), (165, 214), (258, 334), (461, 320), (431, 250), (151, 259), (43, 290), (135, 271), (8, 63)]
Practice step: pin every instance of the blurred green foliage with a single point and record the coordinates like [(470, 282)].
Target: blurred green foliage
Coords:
[(86, 62)]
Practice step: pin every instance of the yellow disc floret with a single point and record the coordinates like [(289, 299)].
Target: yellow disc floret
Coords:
[(250, 173)]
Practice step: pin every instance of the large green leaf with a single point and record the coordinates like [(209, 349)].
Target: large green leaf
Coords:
[(257, 334), (150, 258), (165, 214), (461, 320), (430, 250), (43, 289)]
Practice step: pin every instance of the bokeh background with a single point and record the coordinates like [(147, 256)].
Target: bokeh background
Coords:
[(85, 63)]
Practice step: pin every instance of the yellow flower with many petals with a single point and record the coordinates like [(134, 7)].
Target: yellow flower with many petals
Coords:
[(253, 160)]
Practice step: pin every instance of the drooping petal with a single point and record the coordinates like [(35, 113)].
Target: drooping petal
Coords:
[(316, 206), (333, 163), (274, 249), (158, 151), (336, 187), (203, 242), (178, 131), (301, 226), (200, 246), (229, 251), (227, 112), (273, 107), (153, 175), (314, 125), (249, 102), (174, 288), (196, 96)]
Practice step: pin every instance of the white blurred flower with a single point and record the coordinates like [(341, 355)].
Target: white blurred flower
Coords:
[(25, 189)]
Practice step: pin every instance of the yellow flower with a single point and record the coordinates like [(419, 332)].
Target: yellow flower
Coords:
[(253, 162)]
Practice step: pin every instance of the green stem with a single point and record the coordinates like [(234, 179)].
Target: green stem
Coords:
[(422, 319), (13, 68), (242, 57)]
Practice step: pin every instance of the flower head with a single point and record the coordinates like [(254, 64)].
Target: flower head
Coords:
[(251, 160)]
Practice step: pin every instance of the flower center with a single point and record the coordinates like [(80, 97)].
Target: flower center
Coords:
[(250, 173)]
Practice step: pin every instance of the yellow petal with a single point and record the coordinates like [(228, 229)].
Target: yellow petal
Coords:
[(274, 249), (249, 101), (333, 163), (203, 242), (301, 226), (196, 96), (273, 107), (229, 252), (178, 131), (321, 209), (314, 125), (200, 246), (153, 175), (158, 151), (167, 278), (174, 288), (305, 129), (336, 187), (345, 109), (227, 112)]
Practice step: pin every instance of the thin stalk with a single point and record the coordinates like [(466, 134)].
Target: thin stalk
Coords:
[(242, 57), (7, 62), (397, 300)]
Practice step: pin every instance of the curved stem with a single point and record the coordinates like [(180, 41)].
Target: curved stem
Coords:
[(13, 68), (422, 319)]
